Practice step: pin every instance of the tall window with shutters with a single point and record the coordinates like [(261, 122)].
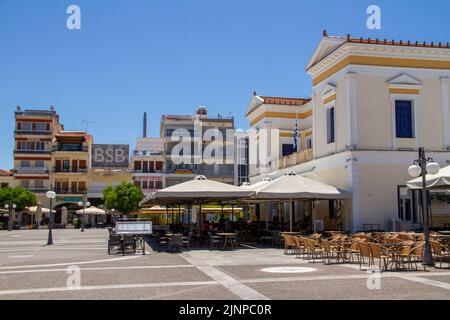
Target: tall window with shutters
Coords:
[(404, 119)]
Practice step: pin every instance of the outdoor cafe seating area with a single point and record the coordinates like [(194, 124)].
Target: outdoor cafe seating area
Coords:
[(383, 251)]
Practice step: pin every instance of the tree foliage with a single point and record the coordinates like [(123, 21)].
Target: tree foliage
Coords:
[(22, 198), (124, 198)]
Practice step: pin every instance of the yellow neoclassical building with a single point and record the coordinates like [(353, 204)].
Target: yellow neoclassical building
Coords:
[(374, 103)]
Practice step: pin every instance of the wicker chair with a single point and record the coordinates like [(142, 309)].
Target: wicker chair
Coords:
[(381, 253), (289, 244), (416, 255), (331, 252), (364, 252), (439, 252), (314, 252), (300, 248)]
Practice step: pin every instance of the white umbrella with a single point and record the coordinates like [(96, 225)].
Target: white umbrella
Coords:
[(441, 180), (294, 187), (257, 186), (92, 210), (35, 209), (199, 190)]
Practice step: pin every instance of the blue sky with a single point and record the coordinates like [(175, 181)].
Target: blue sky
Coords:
[(169, 56)]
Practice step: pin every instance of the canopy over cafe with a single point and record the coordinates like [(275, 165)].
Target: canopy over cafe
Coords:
[(192, 201)]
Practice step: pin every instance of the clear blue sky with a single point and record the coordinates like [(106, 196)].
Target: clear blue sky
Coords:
[(169, 56)]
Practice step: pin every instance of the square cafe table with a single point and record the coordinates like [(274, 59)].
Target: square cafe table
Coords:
[(228, 237)]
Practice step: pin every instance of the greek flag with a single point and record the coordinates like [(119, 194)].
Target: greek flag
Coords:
[(295, 136)]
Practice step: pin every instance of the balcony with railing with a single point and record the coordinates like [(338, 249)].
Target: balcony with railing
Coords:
[(147, 171), (37, 190), (71, 191), (69, 170), (69, 148), (33, 151), (31, 170), (37, 132), (295, 159)]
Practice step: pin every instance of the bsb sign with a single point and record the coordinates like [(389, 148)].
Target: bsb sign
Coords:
[(110, 155)]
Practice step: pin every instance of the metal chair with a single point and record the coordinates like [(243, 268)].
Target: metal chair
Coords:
[(187, 241), (176, 241), (215, 240)]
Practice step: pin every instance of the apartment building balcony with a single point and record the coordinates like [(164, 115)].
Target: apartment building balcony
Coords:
[(33, 132), (295, 159), (32, 170), (135, 171), (38, 190), (70, 191), (69, 170), (65, 149), (32, 151)]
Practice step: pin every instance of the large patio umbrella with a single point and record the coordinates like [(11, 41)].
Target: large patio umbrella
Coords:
[(37, 212), (197, 191), (295, 187), (92, 210), (441, 180)]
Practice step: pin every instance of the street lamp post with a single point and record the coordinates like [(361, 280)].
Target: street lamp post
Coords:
[(421, 167), (10, 208), (83, 204), (50, 195)]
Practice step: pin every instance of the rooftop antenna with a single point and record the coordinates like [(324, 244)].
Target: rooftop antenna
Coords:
[(87, 122)]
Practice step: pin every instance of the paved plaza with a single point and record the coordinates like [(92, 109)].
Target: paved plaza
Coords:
[(78, 266)]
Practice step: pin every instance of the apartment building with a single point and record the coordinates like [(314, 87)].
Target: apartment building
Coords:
[(209, 152), (34, 133), (148, 164), (374, 103), (6, 179), (46, 157)]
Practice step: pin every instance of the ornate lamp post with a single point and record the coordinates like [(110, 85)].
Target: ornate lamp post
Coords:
[(10, 207), (50, 195), (83, 204), (422, 167)]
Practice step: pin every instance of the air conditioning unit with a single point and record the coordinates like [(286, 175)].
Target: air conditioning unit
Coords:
[(318, 226)]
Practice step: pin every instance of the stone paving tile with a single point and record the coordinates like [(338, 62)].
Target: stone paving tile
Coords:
[(352, 289)]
